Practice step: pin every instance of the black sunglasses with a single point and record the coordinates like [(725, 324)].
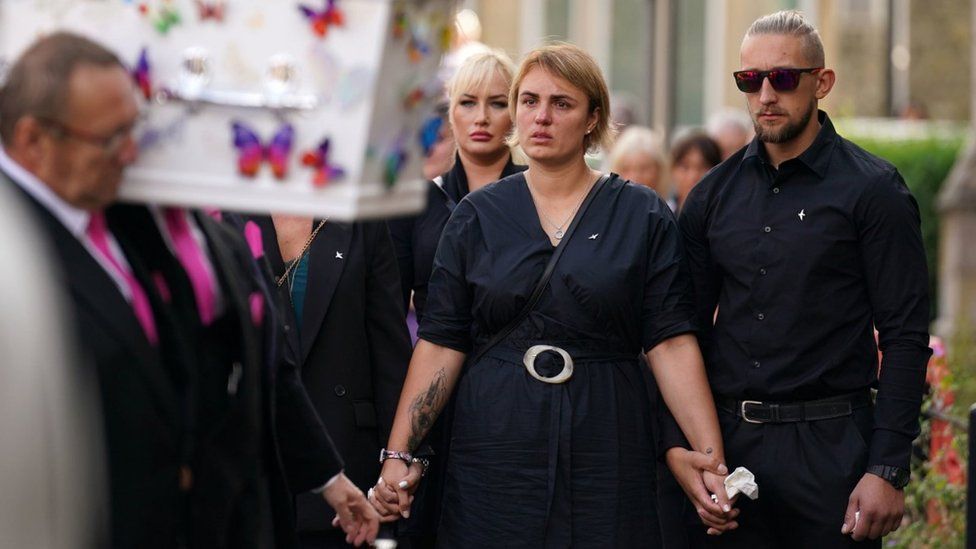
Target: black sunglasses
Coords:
[(782, 80)]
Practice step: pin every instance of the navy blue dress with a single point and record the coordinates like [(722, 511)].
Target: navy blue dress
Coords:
[(540, 465)]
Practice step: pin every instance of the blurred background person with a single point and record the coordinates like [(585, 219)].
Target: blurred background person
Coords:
[(638, 156), (479, 122), (731, 129), (51, 475), (692, 155)]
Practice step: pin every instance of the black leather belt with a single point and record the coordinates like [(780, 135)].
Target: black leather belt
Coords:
[(756, 411)]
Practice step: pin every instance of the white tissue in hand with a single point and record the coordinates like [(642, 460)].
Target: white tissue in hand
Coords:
[(741, 481)]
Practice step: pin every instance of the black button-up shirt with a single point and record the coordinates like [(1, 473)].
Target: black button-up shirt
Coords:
[(802, 263)]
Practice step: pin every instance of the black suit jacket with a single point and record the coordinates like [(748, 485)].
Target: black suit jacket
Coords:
[(354, 346), (145, 425), (228, 505), (302, 456)]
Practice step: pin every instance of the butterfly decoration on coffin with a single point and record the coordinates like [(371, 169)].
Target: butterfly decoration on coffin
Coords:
[(322, 19), (394, 163), (325, 171), (417, 46), (142, 76), (211, 9), (163, 18), (429, 131), (251, 152)]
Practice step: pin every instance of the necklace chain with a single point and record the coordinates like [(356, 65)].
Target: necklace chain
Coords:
[(301, 254), (559, 233)]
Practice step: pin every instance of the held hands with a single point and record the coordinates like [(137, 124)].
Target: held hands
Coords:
[(394, 490), (880, 506), (700, 476), (354, 514)]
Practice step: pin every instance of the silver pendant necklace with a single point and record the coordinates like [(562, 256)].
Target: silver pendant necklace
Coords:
[(560, 233)]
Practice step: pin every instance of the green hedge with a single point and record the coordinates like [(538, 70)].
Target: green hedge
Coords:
[(924, 163)]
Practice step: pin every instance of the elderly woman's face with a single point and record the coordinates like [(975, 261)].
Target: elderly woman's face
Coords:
[(481, 120), (552, 118), (640, 168)]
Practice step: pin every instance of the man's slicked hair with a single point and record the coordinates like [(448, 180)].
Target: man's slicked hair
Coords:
[(792, 23), (37, 83)]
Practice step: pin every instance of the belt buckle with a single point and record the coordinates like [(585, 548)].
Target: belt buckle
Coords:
[(742, 410), (529, 361)]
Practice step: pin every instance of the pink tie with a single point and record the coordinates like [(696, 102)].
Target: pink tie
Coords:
[(98, 233), (191, 257)]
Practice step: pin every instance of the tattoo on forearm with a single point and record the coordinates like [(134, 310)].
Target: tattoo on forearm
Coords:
[(425, 408)]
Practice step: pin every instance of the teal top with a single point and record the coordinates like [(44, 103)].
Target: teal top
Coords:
[(297, 286)]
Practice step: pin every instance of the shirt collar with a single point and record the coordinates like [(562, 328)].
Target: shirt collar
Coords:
[(74, 219), (816, 157)]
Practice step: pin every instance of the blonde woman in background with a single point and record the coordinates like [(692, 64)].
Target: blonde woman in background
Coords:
[(479, 123)]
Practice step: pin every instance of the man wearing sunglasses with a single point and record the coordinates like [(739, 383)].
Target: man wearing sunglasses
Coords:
[(804, 243)]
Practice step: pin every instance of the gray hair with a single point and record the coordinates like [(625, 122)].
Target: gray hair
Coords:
[(37, 83), (791, 22), (637, 140)]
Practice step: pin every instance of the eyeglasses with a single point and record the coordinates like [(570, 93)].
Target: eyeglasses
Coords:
[(110, 145), (782, 80)]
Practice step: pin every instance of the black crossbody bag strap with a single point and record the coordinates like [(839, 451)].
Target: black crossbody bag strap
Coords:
[(540, 286)]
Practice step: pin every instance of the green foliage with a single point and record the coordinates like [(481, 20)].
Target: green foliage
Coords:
[(924, 163)]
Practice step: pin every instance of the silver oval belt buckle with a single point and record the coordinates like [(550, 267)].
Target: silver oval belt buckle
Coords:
[(529, 361)]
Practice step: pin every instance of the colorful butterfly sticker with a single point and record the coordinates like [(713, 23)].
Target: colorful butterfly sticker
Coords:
[(395, 160), (211, 9), (141, 75), (251, 152), (318, 158), (417, 47), (421, 92), (164, 17), (322, 19), (429, 131), (400, 24)]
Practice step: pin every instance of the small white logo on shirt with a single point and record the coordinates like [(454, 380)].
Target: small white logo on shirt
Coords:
[(802, 214), (594, 235), (338, 255)]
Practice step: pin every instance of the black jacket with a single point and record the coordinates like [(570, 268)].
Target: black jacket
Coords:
[(354, 346)]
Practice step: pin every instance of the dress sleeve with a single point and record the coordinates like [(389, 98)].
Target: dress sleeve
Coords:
[(447, 320), (668, 307)]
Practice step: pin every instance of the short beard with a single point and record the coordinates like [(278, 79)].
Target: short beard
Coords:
[(788, 132)]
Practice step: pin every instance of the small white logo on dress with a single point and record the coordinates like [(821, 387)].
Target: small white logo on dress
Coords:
[(338, 255), (594, 235), (802, 214)]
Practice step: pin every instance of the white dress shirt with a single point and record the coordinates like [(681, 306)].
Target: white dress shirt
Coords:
[(74, 219)]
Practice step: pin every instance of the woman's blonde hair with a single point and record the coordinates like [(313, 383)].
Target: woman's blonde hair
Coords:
[(477, 72), (577, 67)]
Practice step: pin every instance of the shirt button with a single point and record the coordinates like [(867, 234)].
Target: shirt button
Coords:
[(762, 272), (761, 316), (767, 229), (340, 390), (775, 190), (755, 363)]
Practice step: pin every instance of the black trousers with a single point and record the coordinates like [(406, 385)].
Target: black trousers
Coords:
[(805, 471)]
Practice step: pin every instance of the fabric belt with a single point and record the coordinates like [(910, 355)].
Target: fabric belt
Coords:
[(756, 411)]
